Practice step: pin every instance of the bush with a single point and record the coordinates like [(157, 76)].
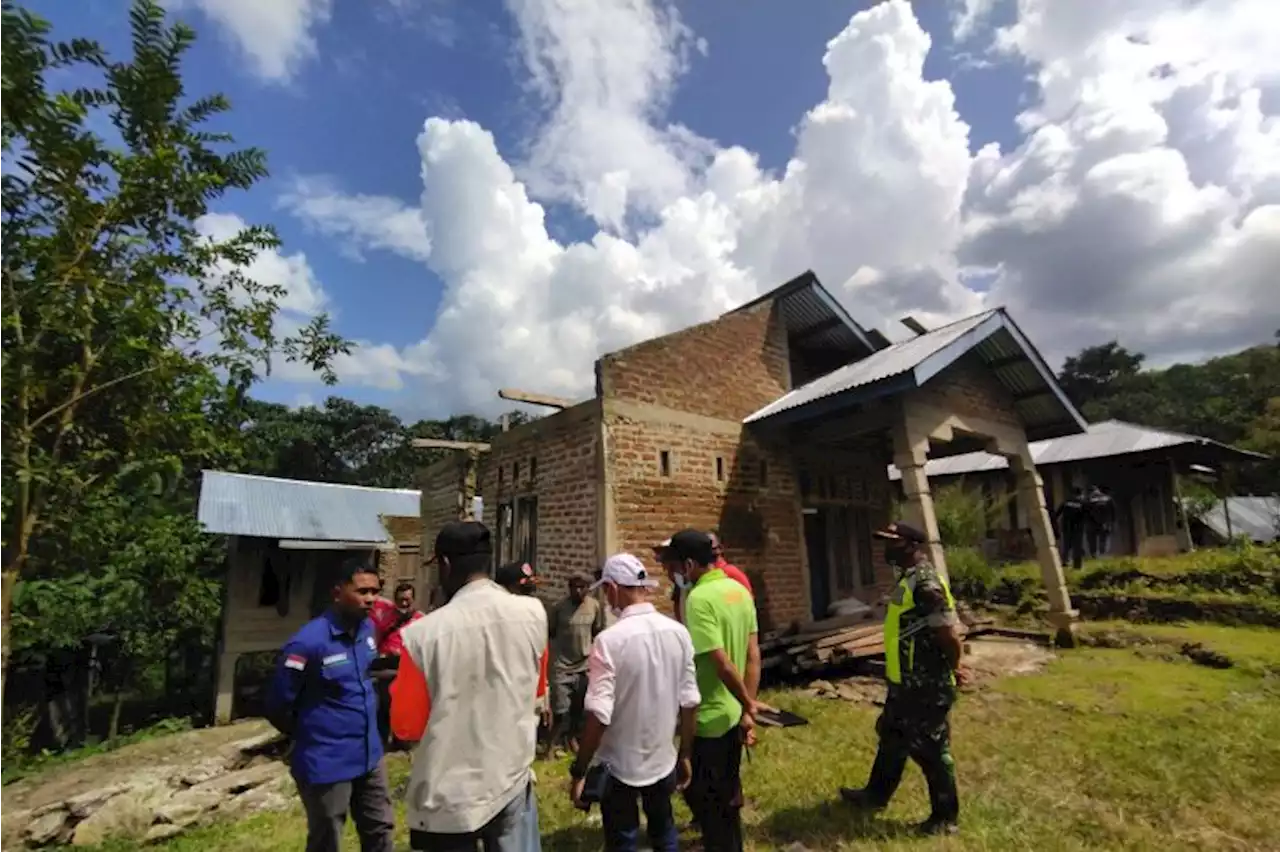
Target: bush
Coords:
[(972, 577)]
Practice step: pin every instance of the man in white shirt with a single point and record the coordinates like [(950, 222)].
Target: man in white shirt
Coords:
[(640, 681)]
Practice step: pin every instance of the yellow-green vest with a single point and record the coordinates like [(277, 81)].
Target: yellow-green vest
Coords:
[(903, 601)]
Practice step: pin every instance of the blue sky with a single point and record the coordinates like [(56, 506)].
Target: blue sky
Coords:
[(350, 112)]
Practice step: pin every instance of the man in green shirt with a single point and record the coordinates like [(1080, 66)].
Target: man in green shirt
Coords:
[(721, 618)]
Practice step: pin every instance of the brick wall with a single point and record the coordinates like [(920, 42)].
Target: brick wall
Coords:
[(967, 387), (443, 484), (726, 368), (557, 459)]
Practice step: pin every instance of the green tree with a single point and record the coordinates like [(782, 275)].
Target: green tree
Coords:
[(129, 337), (1098, 372)]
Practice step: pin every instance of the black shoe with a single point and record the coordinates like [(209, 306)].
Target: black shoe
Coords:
[(938, 827), (860, 799)]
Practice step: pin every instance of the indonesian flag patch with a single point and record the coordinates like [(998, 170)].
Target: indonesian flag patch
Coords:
[(295, 661)]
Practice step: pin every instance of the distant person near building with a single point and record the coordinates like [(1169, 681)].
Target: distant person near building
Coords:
[(1071, 519), (575, 621), (721, 618), (324, 698), (641, 686), (922, 665), (468, 677), (1100, 510), (388, 620)]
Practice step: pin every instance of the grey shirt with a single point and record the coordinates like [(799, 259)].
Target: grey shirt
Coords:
[(573, 626)]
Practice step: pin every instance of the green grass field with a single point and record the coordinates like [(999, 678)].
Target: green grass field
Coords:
[(1115, 749)]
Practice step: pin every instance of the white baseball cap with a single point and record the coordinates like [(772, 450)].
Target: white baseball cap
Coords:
[(623, 569)]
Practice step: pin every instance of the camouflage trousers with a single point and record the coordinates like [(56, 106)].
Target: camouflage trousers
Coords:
[(915, 727)]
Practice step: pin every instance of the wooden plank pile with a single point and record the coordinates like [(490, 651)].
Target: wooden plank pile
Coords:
[(822, 644)]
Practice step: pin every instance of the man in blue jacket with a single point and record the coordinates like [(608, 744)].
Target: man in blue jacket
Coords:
[(323, 697)]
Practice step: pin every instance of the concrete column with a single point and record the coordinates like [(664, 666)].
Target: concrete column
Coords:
[(1031, 492), (909, 456), (226, 687)]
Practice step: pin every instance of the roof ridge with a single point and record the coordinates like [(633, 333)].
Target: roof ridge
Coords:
[(289, 480)]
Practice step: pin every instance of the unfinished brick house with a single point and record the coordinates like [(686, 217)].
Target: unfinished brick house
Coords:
[(773, 424)]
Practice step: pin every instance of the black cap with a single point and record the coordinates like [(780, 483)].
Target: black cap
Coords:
[(463, 538), (898, 531), (517, 577), (691, 544)]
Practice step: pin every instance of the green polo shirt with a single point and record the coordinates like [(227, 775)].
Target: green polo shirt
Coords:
[(719, 614)]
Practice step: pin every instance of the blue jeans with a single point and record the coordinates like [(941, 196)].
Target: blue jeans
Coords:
[(514, 829), (621, 815)]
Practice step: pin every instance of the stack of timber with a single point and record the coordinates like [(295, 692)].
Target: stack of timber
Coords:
[(822, 644)]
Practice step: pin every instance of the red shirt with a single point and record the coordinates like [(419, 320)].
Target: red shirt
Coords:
[(733, 572), (387, 624)]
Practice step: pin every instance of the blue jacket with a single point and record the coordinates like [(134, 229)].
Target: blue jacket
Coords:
[(323, 696)]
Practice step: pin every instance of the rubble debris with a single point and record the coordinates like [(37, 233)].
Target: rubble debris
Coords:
[(158, 802)]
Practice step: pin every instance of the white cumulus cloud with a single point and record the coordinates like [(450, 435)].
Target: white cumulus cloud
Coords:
[(275, 36), (1140, 202)]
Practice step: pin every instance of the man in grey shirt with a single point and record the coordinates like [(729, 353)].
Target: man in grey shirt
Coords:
[(574, 623)]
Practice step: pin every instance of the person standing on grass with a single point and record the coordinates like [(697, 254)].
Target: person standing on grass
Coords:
[(721, 618), (575, 621), (641, 683), (388, 620), (922, 648), (1101, 513), (324, 698), (1071, 523), (468, 676), (680, 584)]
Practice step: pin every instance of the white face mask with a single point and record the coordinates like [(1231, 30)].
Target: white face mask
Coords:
[(682, 582)]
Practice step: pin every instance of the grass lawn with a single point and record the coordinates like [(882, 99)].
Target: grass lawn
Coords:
[(1108, 749)]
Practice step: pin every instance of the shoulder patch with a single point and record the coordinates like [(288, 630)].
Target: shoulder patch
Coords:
[(295, 661)]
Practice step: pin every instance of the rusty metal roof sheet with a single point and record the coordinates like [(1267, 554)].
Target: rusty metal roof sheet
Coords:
[(267, 507), (992, 335), (1102, 440)]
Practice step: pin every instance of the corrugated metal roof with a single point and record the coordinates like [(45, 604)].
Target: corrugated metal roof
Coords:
[(812, 315), (992, 335), (1255, 517), (267, 507), (897, 360), (1108, 438)]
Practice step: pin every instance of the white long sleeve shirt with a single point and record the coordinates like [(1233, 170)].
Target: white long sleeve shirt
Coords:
[(640, 674)]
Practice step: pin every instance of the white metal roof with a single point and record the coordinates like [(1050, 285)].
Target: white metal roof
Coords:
[(1108, 438), (997, 340), (267, 507), (1255, 517)]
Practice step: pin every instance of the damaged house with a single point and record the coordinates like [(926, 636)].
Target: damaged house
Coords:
[(775, 425)]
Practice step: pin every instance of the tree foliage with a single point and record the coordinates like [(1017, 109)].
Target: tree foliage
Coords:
[(1234, 399), (130, 337)]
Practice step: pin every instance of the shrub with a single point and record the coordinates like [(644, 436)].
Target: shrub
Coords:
[(972, 577)]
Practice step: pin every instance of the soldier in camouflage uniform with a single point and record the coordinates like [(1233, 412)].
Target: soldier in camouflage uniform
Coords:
[(922, 664)]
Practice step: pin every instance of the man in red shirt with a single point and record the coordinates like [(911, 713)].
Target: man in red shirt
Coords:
[(389, 619), (733, 572)]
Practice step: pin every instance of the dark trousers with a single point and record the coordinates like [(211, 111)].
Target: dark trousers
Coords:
[(620, 810), (714, 794), (916, 728), (1099, 541), (1072, 547), (367, 800)]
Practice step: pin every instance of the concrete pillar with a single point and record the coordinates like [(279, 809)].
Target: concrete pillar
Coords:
[(226, 676), (909, 456), (1031, 492)]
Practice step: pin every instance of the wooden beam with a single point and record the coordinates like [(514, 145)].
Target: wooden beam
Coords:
[(535, 398), (441, 444), (914, 324)]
